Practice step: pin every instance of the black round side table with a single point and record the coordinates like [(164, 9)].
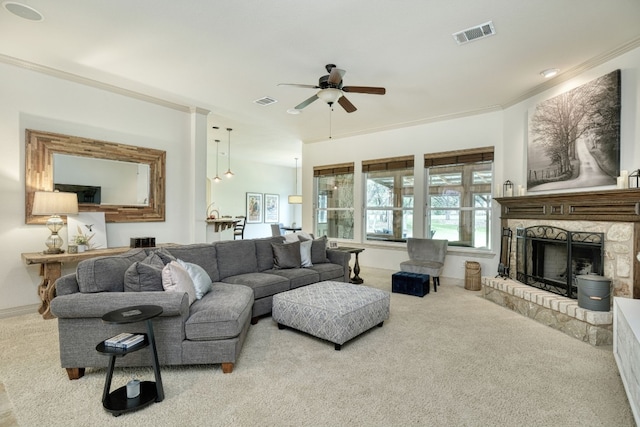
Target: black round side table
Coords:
[(117, 401)]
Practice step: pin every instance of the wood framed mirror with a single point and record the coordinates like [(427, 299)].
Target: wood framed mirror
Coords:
[(42, 148)]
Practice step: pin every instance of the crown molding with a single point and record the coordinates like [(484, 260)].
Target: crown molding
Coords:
[(93, 83), (575, 71)]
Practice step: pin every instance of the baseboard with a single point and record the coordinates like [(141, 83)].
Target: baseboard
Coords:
[(18, 311)]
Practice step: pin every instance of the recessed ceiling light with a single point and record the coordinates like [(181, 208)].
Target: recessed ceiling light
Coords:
[(548, 73), (23, 11), (294, 111)]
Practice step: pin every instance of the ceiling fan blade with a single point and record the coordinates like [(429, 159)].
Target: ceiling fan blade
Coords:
[(335, 76), (346, 104), (365, 89), (299, 85), (305, 103)]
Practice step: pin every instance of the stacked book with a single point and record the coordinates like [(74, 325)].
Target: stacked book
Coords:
[(124, 340)]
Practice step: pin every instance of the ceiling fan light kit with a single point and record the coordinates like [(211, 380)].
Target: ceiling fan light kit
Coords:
[(330, 95), (332, 90)]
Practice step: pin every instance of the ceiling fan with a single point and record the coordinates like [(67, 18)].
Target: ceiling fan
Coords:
[(331, 89)]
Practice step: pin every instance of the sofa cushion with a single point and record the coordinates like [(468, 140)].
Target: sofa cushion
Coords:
[(202, 254), (176, 279), (200, 278), (286, 255), (236, 257), (329, 271), (263, 284), (220, 314), (106, 274), (145, 275), (264, 251), (297, 276)]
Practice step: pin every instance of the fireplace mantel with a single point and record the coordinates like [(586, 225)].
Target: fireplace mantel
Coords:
[(612, 206), (608, 205)]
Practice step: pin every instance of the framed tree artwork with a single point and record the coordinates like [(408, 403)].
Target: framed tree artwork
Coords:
[(271, 208), (574, 138), (254, 208)]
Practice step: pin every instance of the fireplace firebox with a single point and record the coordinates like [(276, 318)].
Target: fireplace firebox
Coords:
[(550, 258)]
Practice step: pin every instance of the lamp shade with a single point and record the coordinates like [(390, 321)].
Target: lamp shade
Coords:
[(295, 199), (54, 203)]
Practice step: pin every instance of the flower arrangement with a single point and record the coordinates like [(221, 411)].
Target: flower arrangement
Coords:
[(83, 239)]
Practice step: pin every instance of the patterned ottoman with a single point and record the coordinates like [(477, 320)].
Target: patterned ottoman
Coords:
[(334, 311)]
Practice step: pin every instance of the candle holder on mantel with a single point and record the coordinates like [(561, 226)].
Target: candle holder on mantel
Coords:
[(507, 189), (634, 179)]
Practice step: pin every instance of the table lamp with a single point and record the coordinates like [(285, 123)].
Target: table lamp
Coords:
[(54, 203)]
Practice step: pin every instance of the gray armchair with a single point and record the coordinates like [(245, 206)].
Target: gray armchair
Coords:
[(426, 256)]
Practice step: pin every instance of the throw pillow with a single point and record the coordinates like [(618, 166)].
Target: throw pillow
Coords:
[(291, 237), (318, 249), (199, 276), (176, 279), (305, 253), (143, 277), (286, 255), (164, 255)]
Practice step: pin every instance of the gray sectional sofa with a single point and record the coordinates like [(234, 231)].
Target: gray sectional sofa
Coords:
[(244, 276)]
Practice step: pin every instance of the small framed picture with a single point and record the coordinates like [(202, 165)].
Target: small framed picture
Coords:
[(271, 208), (254, 208), (87, 230)]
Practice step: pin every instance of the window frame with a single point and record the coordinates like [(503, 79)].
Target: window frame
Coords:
[(320, 172), (467, 162), (397, 168)]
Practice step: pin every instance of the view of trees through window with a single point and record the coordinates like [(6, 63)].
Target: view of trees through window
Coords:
[(334, 206), (457, 189), (389, 205), (459, 204)]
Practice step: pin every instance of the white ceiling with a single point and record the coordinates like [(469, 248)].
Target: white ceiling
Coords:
[(222, 55)]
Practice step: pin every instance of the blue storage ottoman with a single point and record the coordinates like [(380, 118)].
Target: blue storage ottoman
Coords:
[(404, 282)]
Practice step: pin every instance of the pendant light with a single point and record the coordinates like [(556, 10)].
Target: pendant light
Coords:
[(217, 178), (296, 199), (228, 173)]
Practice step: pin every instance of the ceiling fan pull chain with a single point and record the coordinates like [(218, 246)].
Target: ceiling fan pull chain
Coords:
[(330, 122)]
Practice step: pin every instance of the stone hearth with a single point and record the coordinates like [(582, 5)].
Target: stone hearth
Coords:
[(556, 311)]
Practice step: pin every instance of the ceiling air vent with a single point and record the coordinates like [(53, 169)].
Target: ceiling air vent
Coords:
[(265, 101), (475, 33)]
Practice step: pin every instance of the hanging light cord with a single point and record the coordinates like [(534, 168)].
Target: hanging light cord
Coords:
[(228, 173)]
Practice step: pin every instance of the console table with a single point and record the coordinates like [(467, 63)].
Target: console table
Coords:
[(51, 270)]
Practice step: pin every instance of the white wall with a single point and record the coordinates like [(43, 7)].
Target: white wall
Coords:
[(505, 130), (32, 100), (229, 195)]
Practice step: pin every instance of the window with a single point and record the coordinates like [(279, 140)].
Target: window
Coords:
[(389, 199), (459, 197), (334, 201)]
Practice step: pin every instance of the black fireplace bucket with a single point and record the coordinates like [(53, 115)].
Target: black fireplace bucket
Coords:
[(594, 292)]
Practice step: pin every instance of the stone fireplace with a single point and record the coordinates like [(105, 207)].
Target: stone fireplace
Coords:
[(556, 237)]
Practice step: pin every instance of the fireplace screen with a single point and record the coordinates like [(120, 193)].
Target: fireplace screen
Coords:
[(550, 258)]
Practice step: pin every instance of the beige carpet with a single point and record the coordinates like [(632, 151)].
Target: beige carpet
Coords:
[(448, 359)]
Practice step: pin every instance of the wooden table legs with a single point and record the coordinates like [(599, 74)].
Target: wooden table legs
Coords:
[(50, 272)]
